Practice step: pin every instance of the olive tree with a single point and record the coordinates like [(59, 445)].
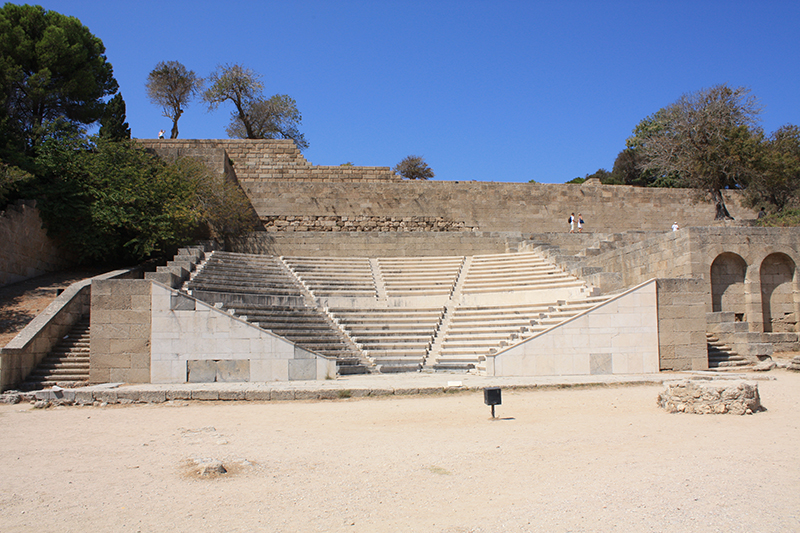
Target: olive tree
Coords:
[(413, 167), (172, 86), (709, 138)]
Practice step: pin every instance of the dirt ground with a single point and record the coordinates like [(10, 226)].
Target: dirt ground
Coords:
[(594, 459), (21, 302)]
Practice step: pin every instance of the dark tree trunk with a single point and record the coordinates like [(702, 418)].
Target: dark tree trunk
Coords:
[(719, 202), (174, 133)]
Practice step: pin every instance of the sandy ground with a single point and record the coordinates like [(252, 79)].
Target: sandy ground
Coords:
[(21, 302), (595, 459)]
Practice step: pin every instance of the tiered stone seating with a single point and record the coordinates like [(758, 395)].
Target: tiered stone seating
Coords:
[(261, 290), (419, 276), (394, 339), (472, 333), (515, 272), (334, 276), (225, 275)]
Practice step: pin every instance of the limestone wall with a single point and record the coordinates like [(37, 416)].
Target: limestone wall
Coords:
[(266, 159), (682, 324), (618, 337), (120, 332), (144, 332), (488, 206), (666, 255), (25, 249), (377, 244)]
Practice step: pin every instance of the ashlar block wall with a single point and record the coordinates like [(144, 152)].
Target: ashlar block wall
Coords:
[(619, 337), (144, 332)]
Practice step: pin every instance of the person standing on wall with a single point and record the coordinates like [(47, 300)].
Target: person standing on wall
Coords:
[(580, 223), (572, 223)]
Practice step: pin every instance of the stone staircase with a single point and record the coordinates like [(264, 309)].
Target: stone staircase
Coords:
[(393, 339), (470, 333), (67, 365), (722, 358), (263, 291)]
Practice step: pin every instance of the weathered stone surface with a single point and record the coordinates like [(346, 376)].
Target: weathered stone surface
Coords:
[(715, 397), (794, 364), (210, 467), (765, 366)]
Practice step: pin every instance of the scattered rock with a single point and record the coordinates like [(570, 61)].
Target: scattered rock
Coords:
[(765, 366), (12, 397), (795, 364), (210, 467), (41, 404), (714, 397)]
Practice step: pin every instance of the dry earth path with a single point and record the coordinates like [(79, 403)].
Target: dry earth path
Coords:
[(580, 460), (21, 302)]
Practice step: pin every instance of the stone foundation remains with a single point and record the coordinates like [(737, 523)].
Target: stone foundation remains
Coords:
[(705, 397)]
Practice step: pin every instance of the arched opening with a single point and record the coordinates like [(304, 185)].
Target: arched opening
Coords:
[(727, 284), (777, 297)]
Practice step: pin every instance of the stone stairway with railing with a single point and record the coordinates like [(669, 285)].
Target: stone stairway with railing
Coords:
[(263, 291), (67, 365)]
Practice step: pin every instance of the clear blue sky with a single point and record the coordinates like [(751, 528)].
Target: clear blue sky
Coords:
[(484, 90)]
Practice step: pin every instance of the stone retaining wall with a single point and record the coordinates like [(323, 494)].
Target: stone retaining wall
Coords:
[(25, 249), (377, 244), (488, 206)]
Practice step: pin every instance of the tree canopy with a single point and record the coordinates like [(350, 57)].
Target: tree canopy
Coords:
[(413, 167), (274, 118), (708, 138), (172, 86), (112, 123), (777, 182), (254, 116), (51, 69)]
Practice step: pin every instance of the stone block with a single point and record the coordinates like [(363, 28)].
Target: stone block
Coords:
[(233, 370), (201, 371), (205, 394), (282, 394), (305, 394), (153, 396), (232, 395), (181, 302), (178, 394), (258, 395), (302, 369)]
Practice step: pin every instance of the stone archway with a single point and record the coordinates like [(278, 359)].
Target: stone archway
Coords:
[(777, 295), (727, 284)]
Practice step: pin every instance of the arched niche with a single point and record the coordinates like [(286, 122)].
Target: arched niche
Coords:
[(727, 284), (777, 275)]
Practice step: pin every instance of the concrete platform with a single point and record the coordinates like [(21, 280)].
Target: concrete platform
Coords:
[(356, 386)]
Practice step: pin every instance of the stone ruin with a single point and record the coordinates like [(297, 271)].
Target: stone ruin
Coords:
[(711, 397)]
